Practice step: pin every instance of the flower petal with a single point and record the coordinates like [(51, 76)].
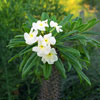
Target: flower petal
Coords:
[(53, 24), (44, 61), (52, 40), (26, 36), (35, 49), (47, 36), (34, 26), (53, 51)]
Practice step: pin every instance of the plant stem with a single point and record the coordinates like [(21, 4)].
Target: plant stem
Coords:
[(52, 30), (50, 89)]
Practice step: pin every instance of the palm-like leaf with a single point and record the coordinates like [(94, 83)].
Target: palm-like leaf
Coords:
[(74, 36)]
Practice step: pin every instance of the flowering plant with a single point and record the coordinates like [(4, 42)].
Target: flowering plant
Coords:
[(44, 40), (49, 42)]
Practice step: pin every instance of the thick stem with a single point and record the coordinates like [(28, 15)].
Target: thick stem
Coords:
[(50, 89)]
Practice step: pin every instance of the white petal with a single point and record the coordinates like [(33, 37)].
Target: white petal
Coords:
[(60, 26), (58, 29), (40, 38), (39, 21), (41, 28), (29, 42), (55, 58), (47, 36), (27, 39), (26, 36), (47, 50), (41, 41), (52, 40), (34, 26), (44, 61), (61, 30), (35, 32), (53, 51), (53, 24), (31, 30), (50, 61), (35, 49), (40, 54), (46, 23)]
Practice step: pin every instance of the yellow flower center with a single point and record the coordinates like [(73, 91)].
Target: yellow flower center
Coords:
[(41, 46), (46, 40), (41, 24), (31, 35), (50, 54)]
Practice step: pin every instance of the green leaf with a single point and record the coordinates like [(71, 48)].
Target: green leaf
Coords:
[(16, 42), (67, 34), (94, 42), (87, 26), (29, 64), (81, 74), (75, 37), (60, 67), (83, 42), (73, 25), (47, 68), (71, 58), (66, 19), (27, 49), (44, 16), (81, 27), (90, 24), (29, 60), (26, 26), (70, 50), (76, 23), (91, 33), (25, 58), (69, 65), (19, 36), (31, 19), (53, 18), (86, 53)]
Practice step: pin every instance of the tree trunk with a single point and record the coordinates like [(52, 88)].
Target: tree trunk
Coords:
[(50, 89)]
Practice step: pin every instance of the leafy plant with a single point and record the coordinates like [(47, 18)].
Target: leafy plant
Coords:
[(12, 16), (71, 46)]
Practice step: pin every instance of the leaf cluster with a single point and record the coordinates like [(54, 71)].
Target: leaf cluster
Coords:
[(72, 48)]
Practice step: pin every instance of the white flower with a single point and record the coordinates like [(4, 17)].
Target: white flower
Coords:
[(58, 28), (49, 39), (31, 37), (42, 49), (41, 25), (51, 57), (53, 24)]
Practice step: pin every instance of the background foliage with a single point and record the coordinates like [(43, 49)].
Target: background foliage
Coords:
[(13, 13)]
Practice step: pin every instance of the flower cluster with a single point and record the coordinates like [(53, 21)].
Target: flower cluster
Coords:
[(45, 41)]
